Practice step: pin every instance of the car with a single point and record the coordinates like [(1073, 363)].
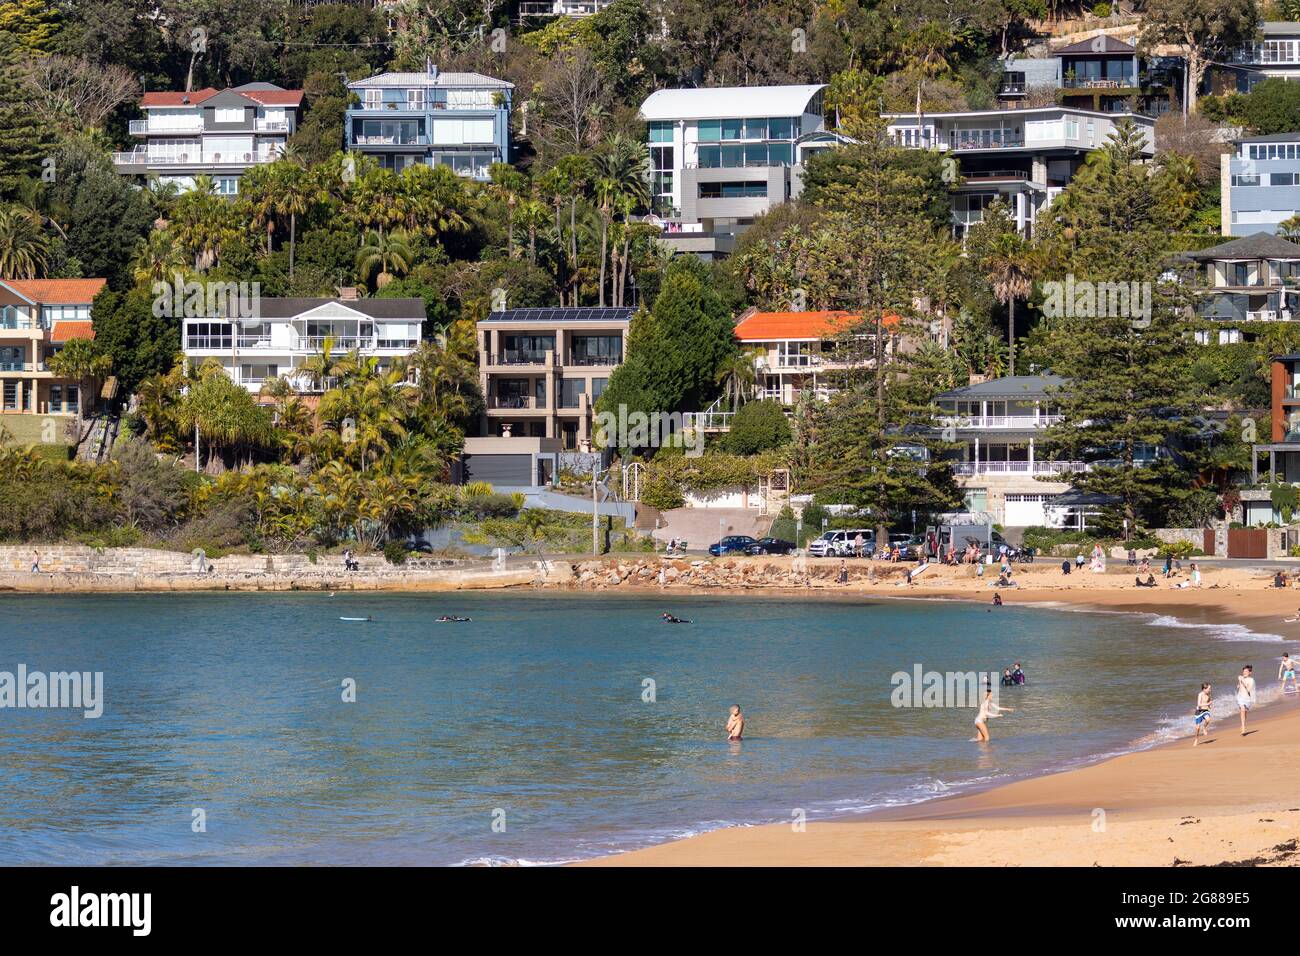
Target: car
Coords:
[(419, 545), (770, 546), (732, 544), (841, 543)]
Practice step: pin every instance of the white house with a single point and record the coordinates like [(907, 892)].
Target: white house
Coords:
[(281, 334)]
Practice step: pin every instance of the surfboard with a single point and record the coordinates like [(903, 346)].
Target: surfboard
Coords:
[(354, 619)]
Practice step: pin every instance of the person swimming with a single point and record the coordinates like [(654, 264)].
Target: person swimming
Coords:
[(735, 723), (1201, 716), (1006, 677), (669, 619), (452, 619), (1017, 674)]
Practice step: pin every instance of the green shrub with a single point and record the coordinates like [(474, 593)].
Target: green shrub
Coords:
[(663, 493), (1179, 549), (395, 552), (758, 426), (54, 452)]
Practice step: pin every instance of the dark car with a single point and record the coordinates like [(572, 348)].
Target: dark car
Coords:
[(418, 545), (732, 544), (770, 546)]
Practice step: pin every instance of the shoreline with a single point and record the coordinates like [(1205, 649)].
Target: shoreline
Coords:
[(1230, 801)]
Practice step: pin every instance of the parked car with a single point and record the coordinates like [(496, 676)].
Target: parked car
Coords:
[(732, 544), (770, 546), (840, 543)]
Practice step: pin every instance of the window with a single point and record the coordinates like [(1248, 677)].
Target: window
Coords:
[(1244, 179), (740, 190), (226, 185), (596, 350), (570, 391), (1284, 179), (229, 114), (257, 373), (661, 132), (415, 99), (526, 349)]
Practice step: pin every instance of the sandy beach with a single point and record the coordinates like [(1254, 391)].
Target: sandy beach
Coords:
[(1232, 800)]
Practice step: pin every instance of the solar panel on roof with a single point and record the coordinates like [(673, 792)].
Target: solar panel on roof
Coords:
[(561, 314)]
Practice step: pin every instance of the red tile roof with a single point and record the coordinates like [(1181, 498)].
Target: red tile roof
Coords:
[(265, 97), (177, 99), (774, 326), (63, 331), (57, 291)]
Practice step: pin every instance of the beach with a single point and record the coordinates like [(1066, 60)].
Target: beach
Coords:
[(1232, 800)]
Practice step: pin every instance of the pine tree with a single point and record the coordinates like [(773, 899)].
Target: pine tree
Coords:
[(25, 138)]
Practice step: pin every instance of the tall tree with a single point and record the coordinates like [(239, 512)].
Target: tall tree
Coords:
[(1208, 30)]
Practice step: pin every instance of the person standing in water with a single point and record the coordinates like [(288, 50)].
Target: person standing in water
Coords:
[(735, 723), (1286, 672), (988, 710), (1245, 694), (1201, 717)]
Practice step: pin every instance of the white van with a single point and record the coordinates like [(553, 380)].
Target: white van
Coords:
[(840, 543)]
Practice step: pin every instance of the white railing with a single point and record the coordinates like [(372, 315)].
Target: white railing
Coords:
[(190, 125), (1017, 467), (1003, 421), (198, 159), (707, 421), (272, 126)]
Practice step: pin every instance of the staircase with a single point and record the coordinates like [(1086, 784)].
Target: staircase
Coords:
[(98, 447)]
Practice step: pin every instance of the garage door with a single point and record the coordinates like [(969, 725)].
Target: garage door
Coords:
[(1022, 511)]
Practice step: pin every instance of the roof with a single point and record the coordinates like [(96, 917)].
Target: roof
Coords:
[(268, 94), (1008, 387), (1279, 28), (605, 314), (57, 291), (774, 326), (729, 102), (63, 331), (466, 80), (1275, 138), (1108, 44), (375, 308), (1261, 245)]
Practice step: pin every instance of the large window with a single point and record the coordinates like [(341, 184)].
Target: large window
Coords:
[(733, 190), (571, 390), (526, 349), (740, 157), (753, 128), (661, 132), (596, 350)]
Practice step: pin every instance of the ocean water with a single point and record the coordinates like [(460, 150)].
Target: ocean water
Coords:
[(526, 735)]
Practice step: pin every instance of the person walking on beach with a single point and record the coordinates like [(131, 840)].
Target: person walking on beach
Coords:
[(1286, 673), (1201, 717), (1245, 694), (844, 572), (988, 710), (735, 723)]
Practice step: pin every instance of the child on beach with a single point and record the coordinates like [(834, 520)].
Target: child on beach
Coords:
[(1286, 673), (1245, 694), (988, 710), (735, 723), (1201, 716)]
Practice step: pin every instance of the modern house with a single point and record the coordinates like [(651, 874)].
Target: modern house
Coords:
[(1260, 184), (542, 370), (1244, 281), (1102, 74), (1283, 446), (795, 352), (458, 120), (575, 9), (282, 334), (1025, 157), (998, 424), (216, 133), (37, 317), (1275, 55), (720, 157)]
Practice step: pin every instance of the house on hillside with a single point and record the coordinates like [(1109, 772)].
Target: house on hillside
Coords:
[(37, 318)]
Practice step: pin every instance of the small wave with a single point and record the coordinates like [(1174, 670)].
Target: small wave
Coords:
[(1222, 632)]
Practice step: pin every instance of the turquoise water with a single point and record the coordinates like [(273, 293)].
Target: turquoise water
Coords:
[(532, 718)]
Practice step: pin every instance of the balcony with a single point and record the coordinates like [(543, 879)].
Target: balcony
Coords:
[(271, 126), (143, 159), (403, 140), (1017, 467), (594, 361), (984, 139), (22, 367), (1095, 83), (525, 357), (143, 127), (1004, 421), (521, 403)]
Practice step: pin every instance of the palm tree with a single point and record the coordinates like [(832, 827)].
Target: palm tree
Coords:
[(298, 191), (1010, 267), (79, 361), (204, 222), (621, 184), (320, 367), (384, 257), (24, 248), (158, 257), (738, 374)]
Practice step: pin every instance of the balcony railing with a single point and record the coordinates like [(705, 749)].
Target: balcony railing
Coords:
[(525, 357), (22, 366), (197, 159), (516, 402), (707, 421), (139, 127), (984, 139), (1017, 467), (271, 126), (1004, 421), (594, 360), (413, 140), (1095, 83)]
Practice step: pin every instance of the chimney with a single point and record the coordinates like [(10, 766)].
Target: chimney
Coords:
[(347, 293)]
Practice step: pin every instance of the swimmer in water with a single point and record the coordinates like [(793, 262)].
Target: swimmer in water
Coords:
[(997, 599), (735, 723), (988, 710), (1286, 673), (669, 619), (1201, 717)]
